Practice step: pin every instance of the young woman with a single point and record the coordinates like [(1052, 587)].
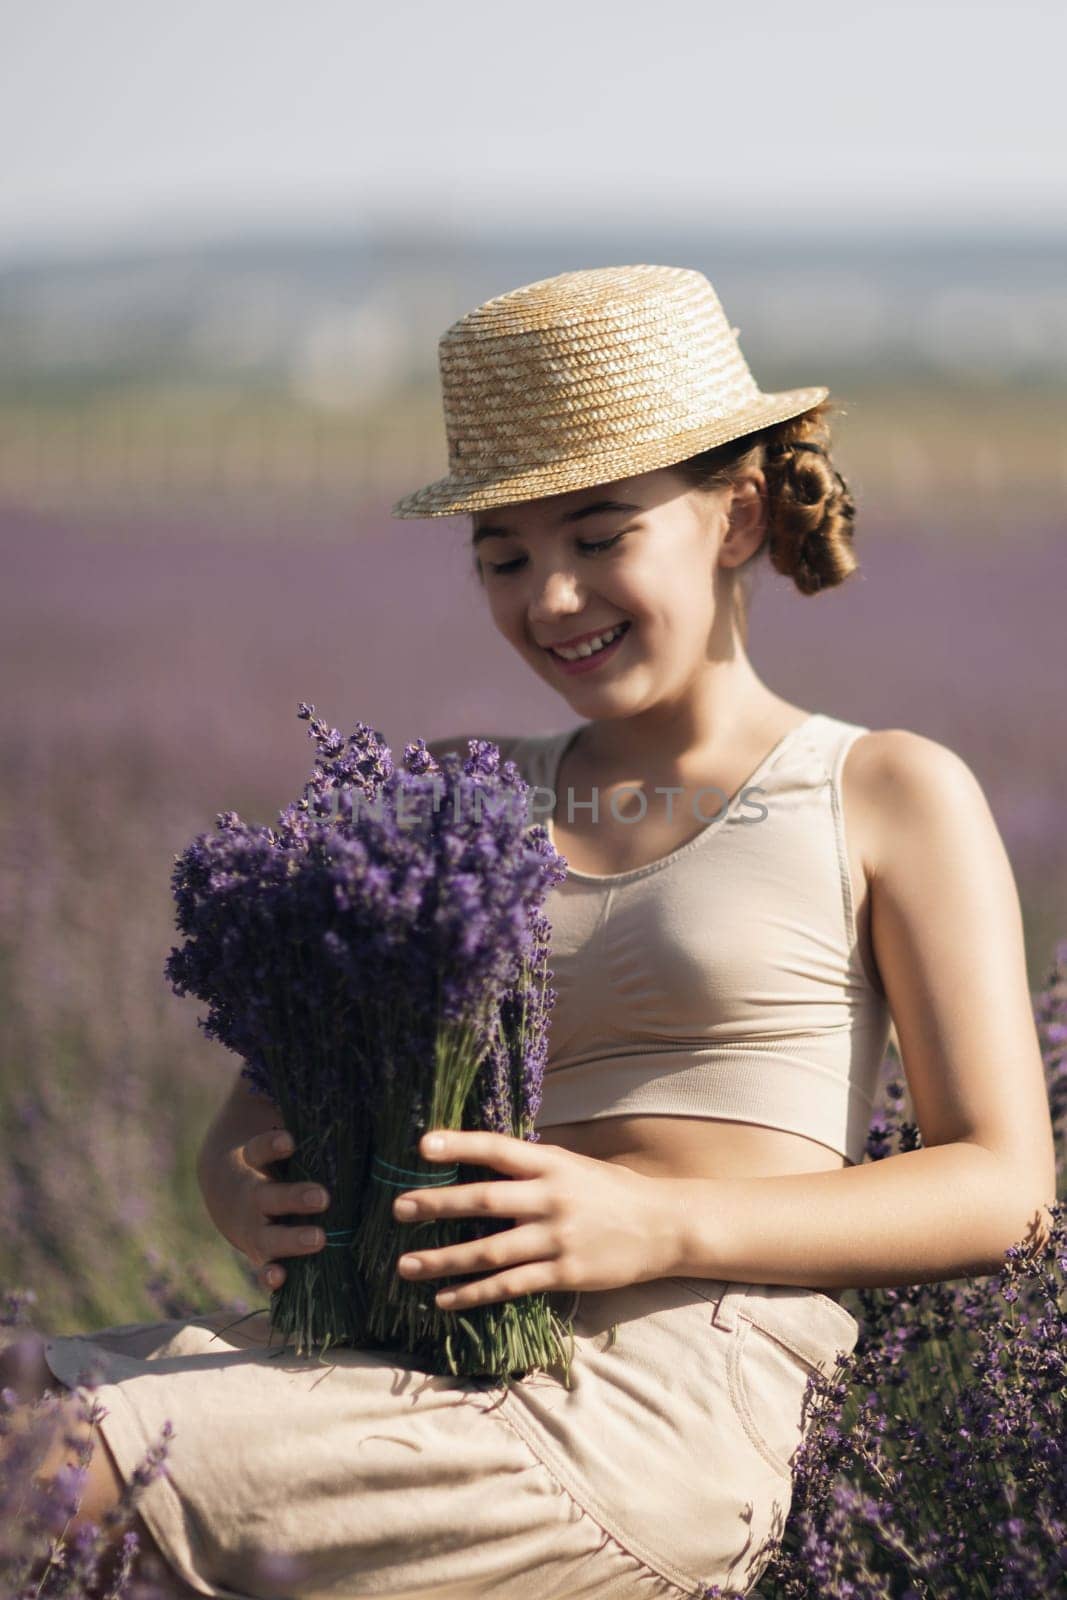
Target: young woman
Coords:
[(756, 892)]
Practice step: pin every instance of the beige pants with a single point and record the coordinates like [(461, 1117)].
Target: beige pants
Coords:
[(660, 1471)]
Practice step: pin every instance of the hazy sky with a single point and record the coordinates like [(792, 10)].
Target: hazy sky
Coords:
[(123, 116)]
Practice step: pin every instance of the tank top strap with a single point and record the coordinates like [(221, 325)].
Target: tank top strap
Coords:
[(832, 737)]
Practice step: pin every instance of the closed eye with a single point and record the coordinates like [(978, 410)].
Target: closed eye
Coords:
[(584, 546)]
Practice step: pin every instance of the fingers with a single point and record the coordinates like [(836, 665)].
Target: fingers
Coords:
[(302, 1239), (281, 1199), (517, 1157), (278, 1240), (264, 1148), (531, 1244), (531, 1279), (520, 1159), (273, 1241), (508, 1283), (493, 1198)]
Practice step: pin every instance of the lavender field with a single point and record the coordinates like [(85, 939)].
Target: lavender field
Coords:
[(152, 679), (220, 364)]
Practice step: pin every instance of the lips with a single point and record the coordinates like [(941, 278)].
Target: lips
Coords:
[(595, 659), (587, 638)]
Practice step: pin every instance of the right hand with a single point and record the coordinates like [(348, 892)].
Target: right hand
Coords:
[(260, 1199)]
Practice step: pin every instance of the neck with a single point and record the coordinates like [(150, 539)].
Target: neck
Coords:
[(718, 715)]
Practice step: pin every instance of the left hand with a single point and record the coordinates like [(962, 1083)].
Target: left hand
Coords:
[(585, 1224)]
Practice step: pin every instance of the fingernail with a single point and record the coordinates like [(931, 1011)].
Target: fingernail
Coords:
[(310, 1236), (314, 1197), (274, 1276), (410, 1264), (283, 1145), (435, 1141), (404, 1208)]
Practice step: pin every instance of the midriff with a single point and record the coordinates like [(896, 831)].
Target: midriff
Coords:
[(707, 1147)]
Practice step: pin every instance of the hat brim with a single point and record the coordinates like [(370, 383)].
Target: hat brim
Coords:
[(458, 493)]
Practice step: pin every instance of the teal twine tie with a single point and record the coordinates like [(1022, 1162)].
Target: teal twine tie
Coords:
[(410, 1180), (413, 1180)]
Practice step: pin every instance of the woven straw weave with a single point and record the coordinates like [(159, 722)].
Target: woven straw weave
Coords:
[(586, 378)]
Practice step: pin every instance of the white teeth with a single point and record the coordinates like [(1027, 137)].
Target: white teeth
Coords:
[(591, 646)]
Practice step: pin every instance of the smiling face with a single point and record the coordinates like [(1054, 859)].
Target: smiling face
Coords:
[(645, 553)]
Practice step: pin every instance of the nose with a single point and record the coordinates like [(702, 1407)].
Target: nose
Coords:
[(559, 594)]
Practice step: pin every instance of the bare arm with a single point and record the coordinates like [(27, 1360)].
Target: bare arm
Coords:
[(948, 937), (233, 1169)]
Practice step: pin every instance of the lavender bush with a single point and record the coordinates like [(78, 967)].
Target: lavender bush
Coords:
[(382, 971), (935, 1465), (40, 1557)]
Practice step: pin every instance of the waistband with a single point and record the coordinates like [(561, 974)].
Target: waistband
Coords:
[(805, 1320)]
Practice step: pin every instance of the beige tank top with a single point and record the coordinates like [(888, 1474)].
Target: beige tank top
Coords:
[(725, 979)]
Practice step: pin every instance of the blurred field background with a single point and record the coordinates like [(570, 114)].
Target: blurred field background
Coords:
[(199, 444)]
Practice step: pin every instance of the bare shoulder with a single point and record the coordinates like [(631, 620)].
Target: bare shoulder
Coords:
[(900, 784)]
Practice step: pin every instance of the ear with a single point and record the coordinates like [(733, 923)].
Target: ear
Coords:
[(747, 513)]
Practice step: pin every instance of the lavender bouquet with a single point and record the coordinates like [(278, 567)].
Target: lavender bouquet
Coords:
[(379, 962)]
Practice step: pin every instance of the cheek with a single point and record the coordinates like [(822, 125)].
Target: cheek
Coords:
[(639, 590), (654, 597), (675, 619)]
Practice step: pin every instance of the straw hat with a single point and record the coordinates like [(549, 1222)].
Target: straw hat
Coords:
[(586, 378)]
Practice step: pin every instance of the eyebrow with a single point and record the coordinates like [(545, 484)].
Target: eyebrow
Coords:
[(593, 509)]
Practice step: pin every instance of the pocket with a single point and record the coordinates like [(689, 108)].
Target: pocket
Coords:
[(767, 1384)]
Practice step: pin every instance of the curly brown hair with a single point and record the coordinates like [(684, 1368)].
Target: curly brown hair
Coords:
[(810, 510)]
